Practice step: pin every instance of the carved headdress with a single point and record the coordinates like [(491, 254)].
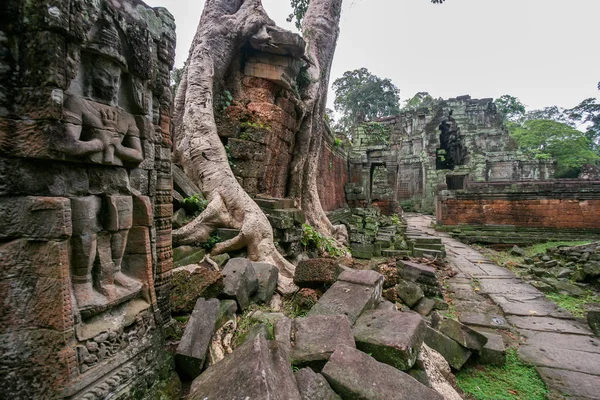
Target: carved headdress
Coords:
[(107, 43)]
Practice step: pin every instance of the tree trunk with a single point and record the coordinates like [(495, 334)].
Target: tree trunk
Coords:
[(320, 28), (225, 26)]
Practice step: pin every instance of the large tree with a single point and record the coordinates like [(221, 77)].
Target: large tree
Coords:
[(361, 96)]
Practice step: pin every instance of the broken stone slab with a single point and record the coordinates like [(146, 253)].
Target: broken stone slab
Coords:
[(258, 369), (191, 282), (571, 384), (317, 272), (356, 375), (409, 292), (487, 320), (310, 341), (494, 351), (239, 281), (350, 299), (546, 355), (267, 276), (454, 353), (548, 324), (179, 218), (227, 309), (425, 306), (460, 333), (188, 255), (528, 305), (191, 351), (362, 277), (432, 370), (386, 305), (183, 184), (411, 271), (313, 386), (391, 337)]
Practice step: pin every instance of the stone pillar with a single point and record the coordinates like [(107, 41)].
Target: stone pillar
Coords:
[(85, 198)]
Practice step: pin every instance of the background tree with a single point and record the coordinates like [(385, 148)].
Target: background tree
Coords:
[(421, 99), (510, 107), (546, 139), (362, 96)]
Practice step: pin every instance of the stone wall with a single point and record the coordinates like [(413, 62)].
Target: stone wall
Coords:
[(85, 198), (332, 174), (564, 204)]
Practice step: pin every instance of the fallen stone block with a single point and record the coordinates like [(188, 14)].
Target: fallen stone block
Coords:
[(391, 337), (386, 305), (494, 351), (411, 271), (425, 306), (191, 351), (313, 386), (267, 276), (355, 375), (409, 292), (460, 333), (187, 255), (454, 353), (183, 184), (593, 319), (227, 309), (350, 299), (310, 341), (432, 370), (317, 272), (191, 282), (239, 281), (258, 369)]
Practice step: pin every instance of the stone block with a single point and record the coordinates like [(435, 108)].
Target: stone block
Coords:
[(425, 306), (390, 337), (386, 305), (454, 353), (267, 276), (240, 281), (345, 298), (118, 213), (183, 184), (35, 217), (359, 250), (310, 341), (313, 386), (460, 333), (593, 319), (362, 277), (409, 292), (192, 348), (85, 215), (143, 213), (258, 369), (317, 272), (191, 282), (355, 375), (184, 255), (494, 351)]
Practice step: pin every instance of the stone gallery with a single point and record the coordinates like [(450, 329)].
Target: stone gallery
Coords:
[(219, 241)]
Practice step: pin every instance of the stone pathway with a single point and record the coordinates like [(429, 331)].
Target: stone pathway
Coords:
[(564, 350)]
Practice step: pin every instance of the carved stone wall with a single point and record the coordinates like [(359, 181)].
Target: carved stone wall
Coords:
[(85, 198)]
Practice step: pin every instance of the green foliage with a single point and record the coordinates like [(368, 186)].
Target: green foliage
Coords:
[(229, 157), (311, 237), (421, 99), (570, 147), (254, 125), (176, 76), (194, 205), (395, 219), (588, 113), (376, 132), (224, 100), (337, 142), (513, 381), (299, 8), (362, 96), (213, 239), (510, 107), (575, 305), (408, 206)]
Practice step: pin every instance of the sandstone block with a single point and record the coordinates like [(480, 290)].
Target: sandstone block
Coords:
[(35, 217), (196, 338), (258, 369), (425, 306), (454, 353), (409, 292), (458, 332), (191, 282), (240, 281), (267, 276), (317, 272), (355, 375), (391, 337), (494, 351), (313, 386)]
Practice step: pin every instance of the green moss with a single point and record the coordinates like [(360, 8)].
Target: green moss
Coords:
[(513, 381), (575, 305)]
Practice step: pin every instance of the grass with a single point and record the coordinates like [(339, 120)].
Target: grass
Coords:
[(575, 305), (513, 381)]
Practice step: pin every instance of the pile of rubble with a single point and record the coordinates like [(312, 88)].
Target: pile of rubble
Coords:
[(352, 343)]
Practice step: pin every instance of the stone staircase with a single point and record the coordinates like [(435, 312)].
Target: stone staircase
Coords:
[(423, 245)]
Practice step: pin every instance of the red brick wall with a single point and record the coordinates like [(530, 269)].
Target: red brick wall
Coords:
[(333, 175), (568, 205)]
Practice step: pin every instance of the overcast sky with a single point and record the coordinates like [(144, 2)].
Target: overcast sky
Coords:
[(545, 52)]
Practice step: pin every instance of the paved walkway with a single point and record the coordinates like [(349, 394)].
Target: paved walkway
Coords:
[(564, 350)]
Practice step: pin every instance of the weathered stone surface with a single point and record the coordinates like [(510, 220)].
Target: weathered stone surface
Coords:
[(317, 272), (240, 281), (258, 369), (355, 375), (547, 355), (187, 255), (192, 282), (35, 217), (425, 306), (310, 341), (593, 319), (454, 353), (313, 386), (458, 332), (345, 298), (386, 305), (409, 292), (183, 184), (487, 320), (548, 324), (434, 370), (391, 337), (494, 351), (362, 277), (528, 305), (191, 351), (570, 383), (267, 275)]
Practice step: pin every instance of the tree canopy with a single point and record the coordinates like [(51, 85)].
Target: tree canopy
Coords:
[(362, 96), (510, 107), (421, 99)]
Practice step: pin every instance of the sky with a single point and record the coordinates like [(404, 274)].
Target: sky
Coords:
[(545, 52)]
